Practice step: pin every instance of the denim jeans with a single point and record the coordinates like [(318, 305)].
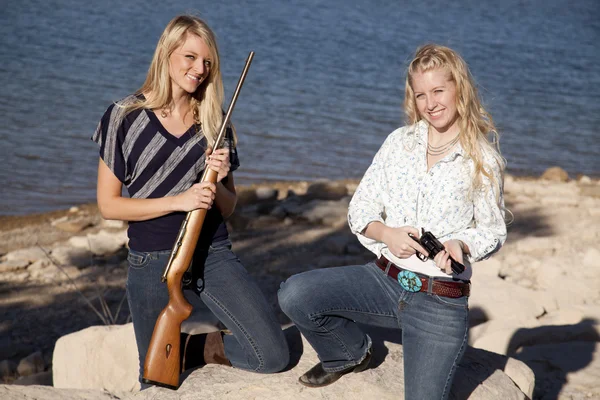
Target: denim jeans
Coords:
[(326, 305), (224, 286)]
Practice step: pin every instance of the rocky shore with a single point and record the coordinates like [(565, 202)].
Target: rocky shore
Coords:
[(536, 301)]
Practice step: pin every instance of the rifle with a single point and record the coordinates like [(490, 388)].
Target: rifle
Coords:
[(162, 365)]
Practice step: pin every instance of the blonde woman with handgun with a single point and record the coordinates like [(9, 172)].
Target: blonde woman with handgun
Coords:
[(442, 174)]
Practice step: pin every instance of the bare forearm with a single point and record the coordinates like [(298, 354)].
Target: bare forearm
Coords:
[(127, 209), (225, 199), (376, 231)]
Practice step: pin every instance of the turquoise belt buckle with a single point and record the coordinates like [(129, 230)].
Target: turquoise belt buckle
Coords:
[(409, 281)]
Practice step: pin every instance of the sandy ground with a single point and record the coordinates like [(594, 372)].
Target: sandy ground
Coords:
[(34, 313)]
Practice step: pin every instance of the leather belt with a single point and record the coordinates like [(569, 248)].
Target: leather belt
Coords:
[(414, 282)]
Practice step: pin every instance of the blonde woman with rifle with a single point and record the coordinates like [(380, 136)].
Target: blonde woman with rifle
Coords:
[(439, 173), (157, 142)]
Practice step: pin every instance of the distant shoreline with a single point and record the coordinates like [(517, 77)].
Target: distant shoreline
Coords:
[(11, 221)]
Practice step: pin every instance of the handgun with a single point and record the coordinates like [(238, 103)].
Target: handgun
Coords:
[(433, 246)]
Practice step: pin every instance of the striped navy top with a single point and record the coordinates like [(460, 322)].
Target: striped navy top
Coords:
[(152, 163)]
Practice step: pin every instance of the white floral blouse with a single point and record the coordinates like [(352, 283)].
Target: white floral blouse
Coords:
[(397, 190)]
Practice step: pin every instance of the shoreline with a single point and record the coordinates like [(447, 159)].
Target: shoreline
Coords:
[(45, 228), (11, 221)]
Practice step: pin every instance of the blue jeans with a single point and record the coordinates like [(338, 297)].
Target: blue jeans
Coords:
[(224, 286), (326, 305)]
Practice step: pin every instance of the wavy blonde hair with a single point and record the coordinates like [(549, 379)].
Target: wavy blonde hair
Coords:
[(475, 123), (206, 102)]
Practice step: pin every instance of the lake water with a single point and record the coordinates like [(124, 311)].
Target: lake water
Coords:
[(323, 92)]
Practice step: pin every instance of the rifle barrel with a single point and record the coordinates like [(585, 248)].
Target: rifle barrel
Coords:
[(216, 145)]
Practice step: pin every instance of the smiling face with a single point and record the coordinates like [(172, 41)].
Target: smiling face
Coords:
[(189, 65), (435, 98)]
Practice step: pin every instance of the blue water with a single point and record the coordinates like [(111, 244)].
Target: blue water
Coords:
[(324, 90)]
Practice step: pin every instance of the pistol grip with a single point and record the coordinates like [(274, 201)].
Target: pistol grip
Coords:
[(457, 267)]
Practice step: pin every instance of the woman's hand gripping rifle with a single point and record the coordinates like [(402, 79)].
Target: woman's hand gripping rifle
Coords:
[(162, 365)]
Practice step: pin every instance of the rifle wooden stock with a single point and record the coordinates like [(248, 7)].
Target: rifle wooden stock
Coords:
[(162, 365), (163, 360)]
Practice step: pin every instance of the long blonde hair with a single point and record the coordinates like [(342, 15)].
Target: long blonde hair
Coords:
[(206, 102), (475, 123)]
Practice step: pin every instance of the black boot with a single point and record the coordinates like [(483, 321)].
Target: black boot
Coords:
[(318, 377)]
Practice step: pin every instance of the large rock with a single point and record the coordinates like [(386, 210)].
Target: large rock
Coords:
[(481, 374), (582, 279), (326, 190), (101, 243), (329, 213), (497, 335), (492, 376), (76, 256), (556, 174), (99, 357), (72, 225), (265, 193), (32, 364), (13, 266), (502, 300), (29, 254)]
